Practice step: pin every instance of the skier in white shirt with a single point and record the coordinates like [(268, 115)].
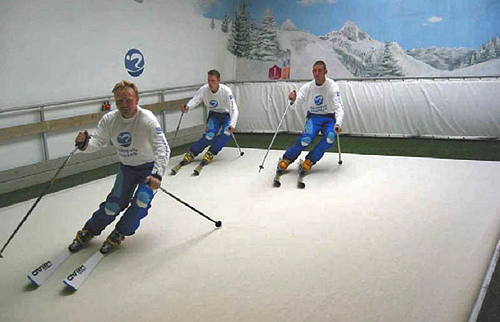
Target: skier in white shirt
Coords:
[(143, 153), (222, 118), (325, 113)]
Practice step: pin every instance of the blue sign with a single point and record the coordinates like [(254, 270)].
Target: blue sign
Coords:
[(214, 103), (134, 62), (318, 100), (124, 139)]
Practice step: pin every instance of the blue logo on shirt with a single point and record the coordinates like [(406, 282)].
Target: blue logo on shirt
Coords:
[(318, 100), (214, 103), (134, 62), (158, 130), (124, 139)]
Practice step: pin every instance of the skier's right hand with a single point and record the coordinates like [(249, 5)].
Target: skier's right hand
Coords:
[(292, 97), (184, 108), (82, 140)]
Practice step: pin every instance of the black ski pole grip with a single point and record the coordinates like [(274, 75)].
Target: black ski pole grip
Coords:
[(82, 145)]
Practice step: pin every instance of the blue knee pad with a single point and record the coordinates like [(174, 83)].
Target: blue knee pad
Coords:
[(305, 140), (209, 136), (330, 137), (144, 196), (111, 208)]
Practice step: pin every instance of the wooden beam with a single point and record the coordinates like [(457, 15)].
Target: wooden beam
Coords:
[(13, 132)]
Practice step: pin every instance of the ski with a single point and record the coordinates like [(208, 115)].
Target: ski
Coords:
[(276, 181), (300, 182), (82, 272), (176, 169), (39, 275), (199, 167), (300, 178)]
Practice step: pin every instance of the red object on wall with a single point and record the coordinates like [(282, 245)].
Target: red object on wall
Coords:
[(105, 106), (274, 72)]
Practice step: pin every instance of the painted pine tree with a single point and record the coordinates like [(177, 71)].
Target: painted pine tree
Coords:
[(267, 38), (388, 66), (253, 40), (225, 24), (239, 38)]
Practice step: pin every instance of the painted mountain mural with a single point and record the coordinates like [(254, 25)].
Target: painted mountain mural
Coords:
[(265, 50)]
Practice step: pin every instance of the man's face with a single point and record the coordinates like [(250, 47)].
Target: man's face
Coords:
[(126, 102), (319, 73), (213, 83)]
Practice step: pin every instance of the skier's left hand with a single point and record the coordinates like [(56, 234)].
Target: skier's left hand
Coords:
[(153, 182), (231, 128), (338, 128)]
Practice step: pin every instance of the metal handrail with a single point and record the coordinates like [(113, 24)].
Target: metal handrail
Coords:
[(370, 79), (95, 99), (191, 87)]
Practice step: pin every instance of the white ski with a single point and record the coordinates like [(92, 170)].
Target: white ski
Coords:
[(82, 272), (276, 181), (40, 274), (300, 182)]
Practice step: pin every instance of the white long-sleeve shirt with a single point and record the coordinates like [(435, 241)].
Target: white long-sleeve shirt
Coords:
[(137, 140), (324, 99), (221, 102)]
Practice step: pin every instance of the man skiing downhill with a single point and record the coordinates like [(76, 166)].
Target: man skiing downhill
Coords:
[(143, 152), (222, 117), (325, 113)]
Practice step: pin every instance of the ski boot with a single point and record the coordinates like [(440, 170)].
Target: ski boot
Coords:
[(305, 167), (207, 158), (282, 166), (82, 238), (188, 158), (280, 170), (114, 239)]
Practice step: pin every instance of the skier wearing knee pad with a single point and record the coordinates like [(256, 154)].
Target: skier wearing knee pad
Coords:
[(143, 152), (222, 118), (325, 113)]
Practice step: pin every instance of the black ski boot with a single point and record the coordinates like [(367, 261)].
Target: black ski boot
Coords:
[(188, 158), (114, 239), (82, 238)]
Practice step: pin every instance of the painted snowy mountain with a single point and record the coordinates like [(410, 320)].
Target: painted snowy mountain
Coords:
[(367, 57), (304, 48), (288, 25), (443, 58), (488, 68), (352, 52)]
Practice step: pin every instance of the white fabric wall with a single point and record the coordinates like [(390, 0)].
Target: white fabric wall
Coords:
[(442, 108), (55, 50)]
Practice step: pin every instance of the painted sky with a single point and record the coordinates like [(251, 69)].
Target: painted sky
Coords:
[(411, 23)]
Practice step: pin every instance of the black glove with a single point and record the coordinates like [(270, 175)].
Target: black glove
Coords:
[(83, 144)]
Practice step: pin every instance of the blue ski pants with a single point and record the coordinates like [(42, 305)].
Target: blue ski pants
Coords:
[(216, 122), (130, 192), (314, 124)]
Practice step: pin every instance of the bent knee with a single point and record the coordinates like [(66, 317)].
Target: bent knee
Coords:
[(143, 199), (305, 140), (330, 138), (111, 208), (209, 136)]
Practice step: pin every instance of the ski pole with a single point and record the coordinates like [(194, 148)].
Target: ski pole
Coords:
[(217, 223), (38, 200), (261, 166), (338, 145), (234, 138), (177, 130)]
